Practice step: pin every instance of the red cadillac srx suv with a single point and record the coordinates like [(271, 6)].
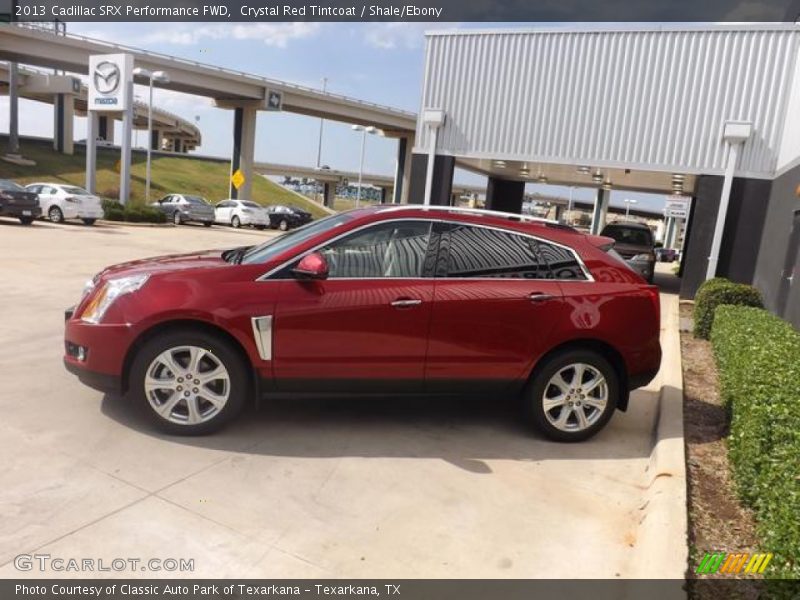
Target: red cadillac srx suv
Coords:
[(380, 300)]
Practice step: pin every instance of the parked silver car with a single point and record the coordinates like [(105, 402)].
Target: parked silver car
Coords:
[(183, 208)]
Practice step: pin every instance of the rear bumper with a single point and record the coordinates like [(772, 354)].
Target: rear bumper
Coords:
[(12, 210)]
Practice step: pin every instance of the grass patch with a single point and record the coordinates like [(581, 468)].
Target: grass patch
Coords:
[(170, 174)]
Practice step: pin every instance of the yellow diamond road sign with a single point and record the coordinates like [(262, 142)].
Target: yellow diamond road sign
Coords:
[(237, 179)]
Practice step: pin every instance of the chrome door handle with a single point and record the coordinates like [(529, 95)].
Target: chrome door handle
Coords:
[(405, 302), (539, 297)]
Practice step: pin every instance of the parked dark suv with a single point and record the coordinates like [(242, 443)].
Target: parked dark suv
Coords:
[(16, 201), (635, 243)]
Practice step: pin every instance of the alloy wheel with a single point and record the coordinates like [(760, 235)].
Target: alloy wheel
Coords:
[(55, 215), (575, 397), (187, 385)]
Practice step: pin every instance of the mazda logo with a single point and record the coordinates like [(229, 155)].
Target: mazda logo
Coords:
[(106, 78)]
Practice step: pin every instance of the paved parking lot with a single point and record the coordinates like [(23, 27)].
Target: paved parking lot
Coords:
[(312, 488)]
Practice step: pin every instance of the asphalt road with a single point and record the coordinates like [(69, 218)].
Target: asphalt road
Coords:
[(312, 488)]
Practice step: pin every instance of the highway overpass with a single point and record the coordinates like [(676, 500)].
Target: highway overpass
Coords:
[(69, 96), (244, 93)]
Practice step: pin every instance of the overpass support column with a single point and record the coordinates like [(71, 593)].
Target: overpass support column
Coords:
[(559, 212), (328, 193), (384, 195), (64, 117), (600, 210), (402, 174), (244, 144), (442, 184), (105, 128), (156, 140), (505, 195)]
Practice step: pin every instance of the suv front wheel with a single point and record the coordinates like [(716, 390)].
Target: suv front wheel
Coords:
[(189, 382), (572, 395)]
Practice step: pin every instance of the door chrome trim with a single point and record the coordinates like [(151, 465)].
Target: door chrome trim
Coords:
[(262, 333)]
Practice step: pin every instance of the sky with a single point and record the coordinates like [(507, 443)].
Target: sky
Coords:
[(376, 62)]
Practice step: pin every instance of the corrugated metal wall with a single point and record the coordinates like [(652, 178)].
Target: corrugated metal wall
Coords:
[(649, 99)]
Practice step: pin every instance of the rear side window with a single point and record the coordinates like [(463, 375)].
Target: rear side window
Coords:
[(562, 261), (480, 252)]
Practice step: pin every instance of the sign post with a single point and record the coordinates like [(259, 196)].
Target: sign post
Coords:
[(110, 91)]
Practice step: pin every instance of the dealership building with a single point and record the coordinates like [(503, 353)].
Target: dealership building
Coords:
[(706, 112)]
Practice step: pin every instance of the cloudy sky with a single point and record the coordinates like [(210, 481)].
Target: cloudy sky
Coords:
[(377, 62)]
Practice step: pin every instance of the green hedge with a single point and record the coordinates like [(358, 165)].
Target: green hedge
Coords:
[(758, 356), (114, 211), (718, 291)]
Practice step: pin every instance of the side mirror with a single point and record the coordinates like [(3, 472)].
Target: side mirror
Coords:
[(312, 266)]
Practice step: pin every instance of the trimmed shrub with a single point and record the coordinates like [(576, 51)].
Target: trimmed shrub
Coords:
[(758, 356), (718, 291), (114, 211)]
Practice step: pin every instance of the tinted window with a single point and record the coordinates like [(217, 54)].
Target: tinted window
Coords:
[(395, 249), (74, 190), (482, 252), (249, 204), (195, 200), (635, 236), (272, 248), (562, 261)]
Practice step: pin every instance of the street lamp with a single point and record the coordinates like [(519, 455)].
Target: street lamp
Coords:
[(364, 131), (628, 202), (161, 77)]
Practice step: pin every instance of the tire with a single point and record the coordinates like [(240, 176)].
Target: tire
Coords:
[(283, 225), (89, 222), (177, 218), (26, 220), (149, 364), (553, 423), (235, 222), (261, 227), (54, 215), (207, 223)]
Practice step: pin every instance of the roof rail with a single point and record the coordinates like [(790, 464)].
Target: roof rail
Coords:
[(470, 211)]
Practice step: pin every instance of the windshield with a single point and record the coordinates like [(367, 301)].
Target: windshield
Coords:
[(5, 184), (635, 236), (195, 200), (269, 250), (75, 191), (250, 204)]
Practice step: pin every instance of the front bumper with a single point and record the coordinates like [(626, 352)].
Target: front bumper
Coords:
[(96, 353)]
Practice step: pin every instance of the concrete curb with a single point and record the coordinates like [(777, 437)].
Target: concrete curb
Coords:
[(663, 549), (129, 224)]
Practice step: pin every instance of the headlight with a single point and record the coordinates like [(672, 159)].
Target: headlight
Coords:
[(88, 288), (113, 289), (643, 258)]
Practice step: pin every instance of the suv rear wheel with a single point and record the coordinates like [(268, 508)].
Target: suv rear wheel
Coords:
[(189, 382), (572, 395)]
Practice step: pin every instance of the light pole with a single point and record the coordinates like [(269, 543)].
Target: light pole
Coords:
[(364, 131), (628, 202), (569, 206), (161, 77), (321, 124)]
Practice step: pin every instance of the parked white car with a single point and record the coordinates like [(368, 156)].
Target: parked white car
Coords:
[(61, 201), (241, 212)]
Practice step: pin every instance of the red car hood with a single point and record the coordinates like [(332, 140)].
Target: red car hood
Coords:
[(161, 264)]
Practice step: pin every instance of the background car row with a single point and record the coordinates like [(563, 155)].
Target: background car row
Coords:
[(58, 202)]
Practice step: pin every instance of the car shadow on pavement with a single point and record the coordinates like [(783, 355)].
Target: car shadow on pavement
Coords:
[(464, 431)]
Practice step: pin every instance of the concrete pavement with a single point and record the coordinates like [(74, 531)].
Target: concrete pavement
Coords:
[(312, 488)]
